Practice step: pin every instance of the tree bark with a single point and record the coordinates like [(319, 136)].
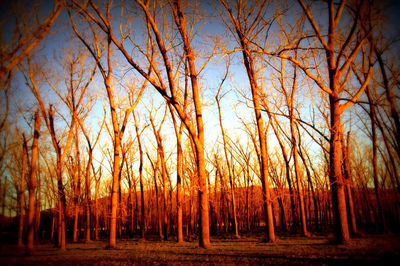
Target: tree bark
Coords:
[(204, 240), (37, 208), (77, 183), (372, 116), (335, 176), (349, 183), (255, 91), (142, 201), (32, 184), (179, 170), (274, 125), (228, 164), (21, 192), (96, 210)]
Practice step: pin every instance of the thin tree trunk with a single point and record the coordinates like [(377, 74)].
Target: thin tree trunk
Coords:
[(302, 154), (255, 91), (21, 192), (159, 219), (130, 200), (247, 198), (297, 174), (87, 203), (160, 152), (96, 210), (134, 210), (349, 183), (312, 190), (37, 208), (4, 194), (287, 172), (228, 164), (53, 225), (77, 186), (142, 201), (32, 184), (179, 169), (179, 191), (372, 116)]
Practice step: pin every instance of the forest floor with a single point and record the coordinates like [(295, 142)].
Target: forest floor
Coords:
[(317, 250)]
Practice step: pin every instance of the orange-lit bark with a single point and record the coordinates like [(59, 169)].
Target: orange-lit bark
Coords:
[(21, 192), (32, 183)]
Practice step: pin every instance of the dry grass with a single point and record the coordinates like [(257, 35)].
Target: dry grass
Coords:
[(247, 250)]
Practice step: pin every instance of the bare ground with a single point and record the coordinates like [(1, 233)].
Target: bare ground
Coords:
[(317, 250)]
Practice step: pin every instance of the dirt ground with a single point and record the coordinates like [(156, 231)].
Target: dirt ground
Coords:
[(317, 250)]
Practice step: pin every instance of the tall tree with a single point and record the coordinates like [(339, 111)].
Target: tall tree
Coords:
[(228, 162), (162, 161), (242, 26), (90, 148)]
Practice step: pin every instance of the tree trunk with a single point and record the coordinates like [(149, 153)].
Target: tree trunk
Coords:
[(21, 192), (77, 186), (255, 91), (228, 164), (204, 239), (130, 200), (134, 210), (159, 219), (372, 116), (297, 173), (302, 154), (32, 184), (37, 208), (87, 205), (287, 173), (61, 205), (3, 207), (96, 210), (349, 183), (247, 198), (142, 201), (179, 176), (335, 176), (53, 225), (112, 241)]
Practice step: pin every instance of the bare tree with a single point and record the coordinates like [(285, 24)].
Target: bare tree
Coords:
[(228, 162), (242, 27), (161, 155), (90, 148)]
